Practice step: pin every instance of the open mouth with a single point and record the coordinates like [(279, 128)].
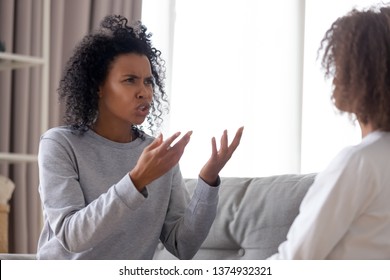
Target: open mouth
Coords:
[(144, 108)]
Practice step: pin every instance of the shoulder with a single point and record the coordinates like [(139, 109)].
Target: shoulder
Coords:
[(61, 136), (377, 142), (361, 164), (374, 149), (58, 133)]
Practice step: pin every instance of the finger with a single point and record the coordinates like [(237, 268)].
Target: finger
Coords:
[(237, 138), (224, 141), (156, 142), (214, 151), (165, 145), (182, 143), (174, 153)]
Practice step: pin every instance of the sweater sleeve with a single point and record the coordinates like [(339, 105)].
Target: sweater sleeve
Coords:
[(79, 226), (187, 222)]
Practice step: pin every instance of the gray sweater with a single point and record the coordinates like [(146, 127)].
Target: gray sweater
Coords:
[(93, 211)]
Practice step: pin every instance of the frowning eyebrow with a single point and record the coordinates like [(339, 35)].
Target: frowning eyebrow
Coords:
[(138, 77)]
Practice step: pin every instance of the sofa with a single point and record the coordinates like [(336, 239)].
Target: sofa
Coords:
[(253, 217)]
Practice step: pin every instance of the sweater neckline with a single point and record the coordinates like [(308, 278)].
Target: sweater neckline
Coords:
[(136, 142)]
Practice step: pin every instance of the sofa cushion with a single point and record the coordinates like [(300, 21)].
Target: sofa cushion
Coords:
[(253, 216)]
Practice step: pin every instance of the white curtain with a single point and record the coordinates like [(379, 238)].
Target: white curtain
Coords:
[(324, 130), (237, 63), (252, 63)]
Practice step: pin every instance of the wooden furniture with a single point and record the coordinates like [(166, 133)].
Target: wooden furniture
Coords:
[(6, 189)]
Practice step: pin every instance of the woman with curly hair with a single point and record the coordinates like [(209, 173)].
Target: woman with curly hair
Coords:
[(108, 189), (346, 212)]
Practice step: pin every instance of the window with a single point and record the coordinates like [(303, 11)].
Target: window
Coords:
[(324, 130), (252, 63)]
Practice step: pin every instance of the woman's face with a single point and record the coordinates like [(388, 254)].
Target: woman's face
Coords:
[(126, 94)]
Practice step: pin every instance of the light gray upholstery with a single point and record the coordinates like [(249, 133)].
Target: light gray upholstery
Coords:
[(17, 256), (253, 217)]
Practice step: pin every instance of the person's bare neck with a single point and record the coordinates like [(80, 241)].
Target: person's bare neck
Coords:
[(366, 129)]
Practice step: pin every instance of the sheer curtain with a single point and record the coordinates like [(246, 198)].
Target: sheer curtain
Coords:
[(253, 63), (237, 63), (324, 130), (20, 30)]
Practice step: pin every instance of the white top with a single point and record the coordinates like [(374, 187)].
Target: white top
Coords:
[(346, 212)]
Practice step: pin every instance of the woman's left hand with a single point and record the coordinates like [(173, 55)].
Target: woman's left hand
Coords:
[(209, 172)]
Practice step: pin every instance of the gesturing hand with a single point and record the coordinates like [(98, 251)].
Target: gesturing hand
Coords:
[(157, 159), (218, 159)]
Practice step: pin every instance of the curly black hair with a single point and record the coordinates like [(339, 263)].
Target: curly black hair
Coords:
[(357, 56), (88, 67)]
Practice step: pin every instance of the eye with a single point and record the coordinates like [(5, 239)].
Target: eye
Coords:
[(130, 80), (149, 82)]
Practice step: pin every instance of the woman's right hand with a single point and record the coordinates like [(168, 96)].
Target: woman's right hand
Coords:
[(157, 159)]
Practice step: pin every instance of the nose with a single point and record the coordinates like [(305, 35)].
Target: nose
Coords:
[(145, 92)]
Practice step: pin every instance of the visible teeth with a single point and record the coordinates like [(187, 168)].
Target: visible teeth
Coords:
[(143, 107)]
